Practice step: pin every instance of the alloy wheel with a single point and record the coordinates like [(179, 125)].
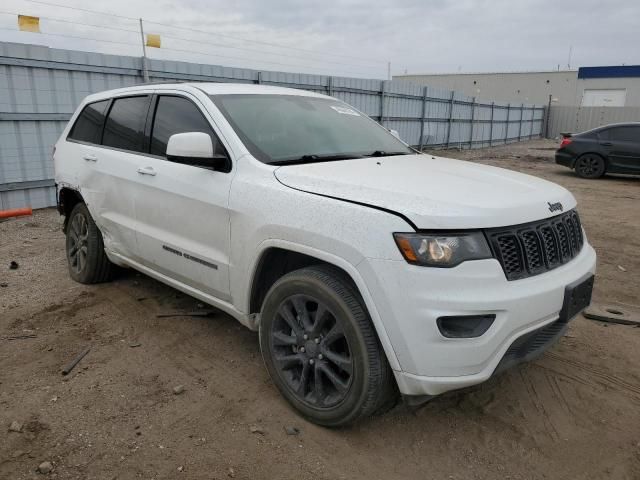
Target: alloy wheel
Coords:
[(78, 245), (590, 166), (311, 351)]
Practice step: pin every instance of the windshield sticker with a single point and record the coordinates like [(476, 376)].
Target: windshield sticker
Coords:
[(345, 111)]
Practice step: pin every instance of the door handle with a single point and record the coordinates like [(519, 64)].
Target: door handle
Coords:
[(147, 171), (90, 158), (606, 144)]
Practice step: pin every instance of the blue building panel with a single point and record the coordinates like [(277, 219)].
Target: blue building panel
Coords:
[(622, 71)]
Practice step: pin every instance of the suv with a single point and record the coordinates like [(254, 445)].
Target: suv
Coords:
[(369, 269)]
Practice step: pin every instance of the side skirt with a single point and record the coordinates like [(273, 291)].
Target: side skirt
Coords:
[(249, 321)]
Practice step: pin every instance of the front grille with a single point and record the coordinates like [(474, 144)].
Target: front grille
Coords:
[(537, 247)]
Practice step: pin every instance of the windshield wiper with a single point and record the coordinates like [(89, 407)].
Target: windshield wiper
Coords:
[(313, 159), (383, 153)]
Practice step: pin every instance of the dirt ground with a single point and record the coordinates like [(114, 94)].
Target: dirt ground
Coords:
[(572, 414)]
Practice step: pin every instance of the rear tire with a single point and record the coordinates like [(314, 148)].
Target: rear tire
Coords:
[(88, 263), (590, 165), (321, 349)]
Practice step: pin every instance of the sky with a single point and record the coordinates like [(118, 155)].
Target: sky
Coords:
[(356, 38)]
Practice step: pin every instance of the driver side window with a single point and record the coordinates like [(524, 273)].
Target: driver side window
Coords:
[(179, 115)]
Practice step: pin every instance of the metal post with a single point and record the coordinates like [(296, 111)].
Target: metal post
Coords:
[(330, 86), (382, 103), (533, 116), (547, 118), (259, 79), (473, 114), (520, 126), (422, 117), (491, 126), (450, 117), (145, 68), (388, 70), (506, 130)]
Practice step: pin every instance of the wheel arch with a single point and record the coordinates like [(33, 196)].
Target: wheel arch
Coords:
[(67, 199), (277, 258)]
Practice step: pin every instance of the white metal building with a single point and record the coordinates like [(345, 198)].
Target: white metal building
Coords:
[(613, 86)]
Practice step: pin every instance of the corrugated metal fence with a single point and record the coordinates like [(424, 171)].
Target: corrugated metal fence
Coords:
[(579, 119), (41, 87)]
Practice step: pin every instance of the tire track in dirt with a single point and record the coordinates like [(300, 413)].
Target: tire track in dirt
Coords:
[(595, 377)]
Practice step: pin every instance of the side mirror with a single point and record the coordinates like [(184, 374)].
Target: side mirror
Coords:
[(196, 149), (394, 133)]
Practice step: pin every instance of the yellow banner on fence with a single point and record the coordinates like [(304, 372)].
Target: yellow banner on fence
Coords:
[(27, 23), (153, 40)]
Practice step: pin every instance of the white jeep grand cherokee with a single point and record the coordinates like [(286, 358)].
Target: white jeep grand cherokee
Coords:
[(369, 269)]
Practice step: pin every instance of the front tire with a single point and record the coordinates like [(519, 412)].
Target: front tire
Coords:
[(321, 350), (88, 263), (590, 166)]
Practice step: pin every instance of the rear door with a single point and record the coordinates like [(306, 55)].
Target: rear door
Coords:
[(622, 146), (108, 178), (182, 210)]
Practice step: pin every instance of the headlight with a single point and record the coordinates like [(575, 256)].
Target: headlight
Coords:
[(442, 250)]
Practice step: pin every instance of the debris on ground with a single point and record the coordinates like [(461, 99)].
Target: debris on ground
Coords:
[(45, 468), (621, 268), (231, 472), (256, 429), (66, 370), (4, 284), (292, 430), (20, 337), (204, 313), (15, 427), (612, 314), (178, 389), (13, 265), (134, 344)]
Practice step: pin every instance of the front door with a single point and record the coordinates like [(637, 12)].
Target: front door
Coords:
[(181, 210), (622, 145)]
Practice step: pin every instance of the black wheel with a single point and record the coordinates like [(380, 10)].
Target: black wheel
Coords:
[(590, 166), (321, 349), (85, 251)]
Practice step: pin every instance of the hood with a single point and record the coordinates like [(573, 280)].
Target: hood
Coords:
[(433, 192)]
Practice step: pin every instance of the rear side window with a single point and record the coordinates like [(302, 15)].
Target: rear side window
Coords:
[(178, 115), (622, 134), (88, 126), (124, 127)]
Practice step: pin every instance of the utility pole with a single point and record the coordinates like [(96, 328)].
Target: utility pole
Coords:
[(388, 70), (145, 69)]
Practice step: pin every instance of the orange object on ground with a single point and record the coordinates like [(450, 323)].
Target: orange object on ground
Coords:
[(16, 212)]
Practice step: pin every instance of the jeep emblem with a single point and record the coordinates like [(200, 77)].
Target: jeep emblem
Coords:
[(554, 206)]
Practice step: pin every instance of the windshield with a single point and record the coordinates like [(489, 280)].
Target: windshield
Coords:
[(286, 129)]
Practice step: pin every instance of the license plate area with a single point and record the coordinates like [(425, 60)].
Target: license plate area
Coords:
[(577, 297)]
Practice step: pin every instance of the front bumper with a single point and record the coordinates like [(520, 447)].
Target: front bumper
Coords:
[(409, 299)]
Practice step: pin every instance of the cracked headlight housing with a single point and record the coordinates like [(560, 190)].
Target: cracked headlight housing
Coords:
[(442, 249)]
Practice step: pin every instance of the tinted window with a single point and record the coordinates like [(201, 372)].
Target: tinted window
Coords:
[(125, 124), (178, 115), (88, 126), (624, 134)]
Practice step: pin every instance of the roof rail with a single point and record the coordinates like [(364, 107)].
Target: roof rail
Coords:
[(162, 82)]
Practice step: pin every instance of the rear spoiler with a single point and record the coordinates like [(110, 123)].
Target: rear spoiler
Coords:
[(566, 134)]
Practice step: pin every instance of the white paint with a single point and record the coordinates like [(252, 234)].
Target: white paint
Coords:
[(190, 144), (604, 98), (231, 219)]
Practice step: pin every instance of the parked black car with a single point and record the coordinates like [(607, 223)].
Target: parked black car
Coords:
[(610, 149)]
